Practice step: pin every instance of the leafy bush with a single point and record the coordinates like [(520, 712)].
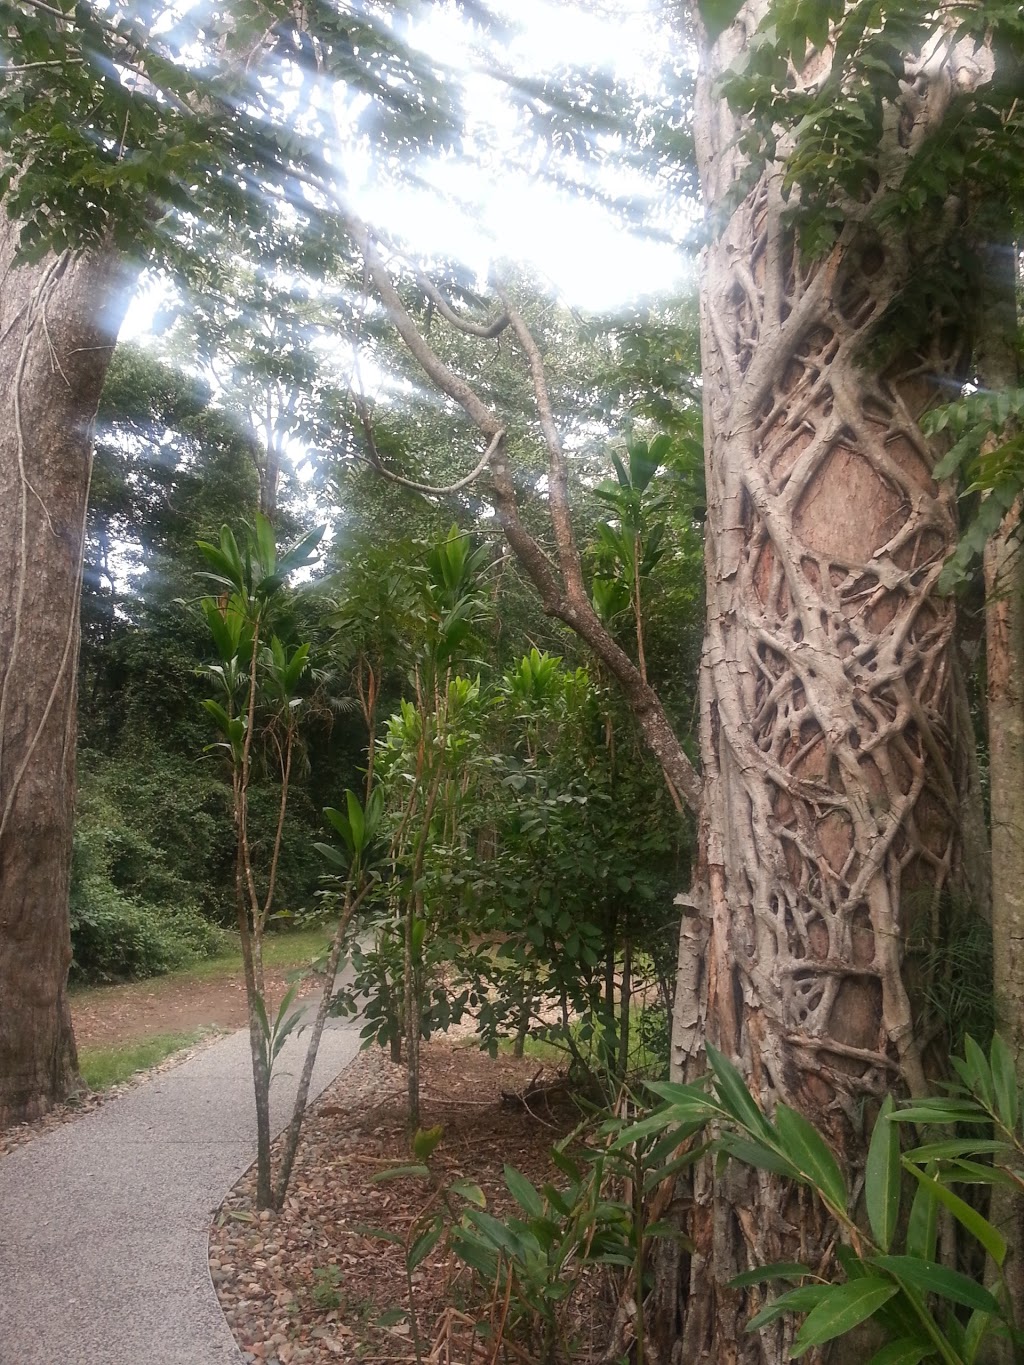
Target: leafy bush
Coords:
[(116, 931), (114, 936)]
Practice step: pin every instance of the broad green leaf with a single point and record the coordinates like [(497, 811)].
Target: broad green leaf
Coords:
[(425, 1140), (717, 16), (737, 1099), (356, 821), (301, 553), (800, 1300), (416, 1170), (882, 1175), (757, 1154), (990, 1237), (1004, 1083), (266, 545), (954, 1148), (931, 1278), (471, 1192), (940, 1111), (525, 1195), (846, 1307), (424, 1244), (811, 1155), (923, 1223)]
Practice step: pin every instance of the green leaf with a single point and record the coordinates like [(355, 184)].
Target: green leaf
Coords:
[(417, 1171), (717, 16), (989, 1237), (425, 1142), (811, 1155), (800, 1300), (1004, 1083), (940, 1111), (882, 1174), (356, 821), (525, 1195), (757, 1154), (906, 1351), (737, 1099), (931, 1278), (266, 545), (471, 1192), (424, 1244), (300, 554), (846, 1307), (923, 1223)]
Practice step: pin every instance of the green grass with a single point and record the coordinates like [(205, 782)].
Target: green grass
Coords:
[(103, 1067), (292, 948)]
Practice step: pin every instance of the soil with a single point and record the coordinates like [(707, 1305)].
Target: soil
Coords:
[(312, 1284), (104, 1016)]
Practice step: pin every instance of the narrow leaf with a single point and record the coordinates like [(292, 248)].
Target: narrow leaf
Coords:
[(882, 1176), (990, 1237), (847, 1306)]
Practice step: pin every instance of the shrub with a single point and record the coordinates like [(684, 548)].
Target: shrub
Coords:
[(114, 936)]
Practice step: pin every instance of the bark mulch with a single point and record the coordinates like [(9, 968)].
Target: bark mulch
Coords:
[(310, 1285)]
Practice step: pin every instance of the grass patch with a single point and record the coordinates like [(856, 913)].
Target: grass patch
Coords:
[(292, 948), (103, 1067)]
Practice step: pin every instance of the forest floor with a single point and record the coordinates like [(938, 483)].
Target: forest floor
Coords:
[(324, 1279)]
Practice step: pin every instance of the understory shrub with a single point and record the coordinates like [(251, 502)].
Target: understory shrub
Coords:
[(114, 936)]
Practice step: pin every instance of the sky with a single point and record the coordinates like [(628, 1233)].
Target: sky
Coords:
[(483, 213)]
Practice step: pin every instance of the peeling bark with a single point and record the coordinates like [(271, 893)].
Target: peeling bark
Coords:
[(59, 319)]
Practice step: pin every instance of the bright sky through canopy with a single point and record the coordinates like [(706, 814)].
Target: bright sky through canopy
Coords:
[(579, 248), (483, 208)]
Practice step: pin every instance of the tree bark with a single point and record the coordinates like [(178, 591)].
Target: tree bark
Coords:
[(59, 319), (998, 368), (830, 815)]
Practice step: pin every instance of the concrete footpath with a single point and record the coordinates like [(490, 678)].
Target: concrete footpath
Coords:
[(104, 1220)]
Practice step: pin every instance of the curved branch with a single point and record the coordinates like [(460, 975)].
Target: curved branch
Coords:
[(487, 330), (474, 473)]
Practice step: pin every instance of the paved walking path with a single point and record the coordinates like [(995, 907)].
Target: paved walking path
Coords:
[(103, 1221)]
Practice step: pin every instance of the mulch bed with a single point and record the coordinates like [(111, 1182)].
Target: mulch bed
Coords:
[(309, 1285)]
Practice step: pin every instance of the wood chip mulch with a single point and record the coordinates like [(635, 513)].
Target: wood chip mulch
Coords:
[(309, 1285)]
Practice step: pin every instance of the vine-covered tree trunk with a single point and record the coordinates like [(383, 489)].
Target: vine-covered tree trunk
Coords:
[(830, 818), (58, 323)]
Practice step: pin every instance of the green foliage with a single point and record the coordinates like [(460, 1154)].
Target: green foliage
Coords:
[(114, 937), (133, 898), (987, 452), (928, 1312)]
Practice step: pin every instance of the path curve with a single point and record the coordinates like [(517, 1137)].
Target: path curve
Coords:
[(104, 1221)]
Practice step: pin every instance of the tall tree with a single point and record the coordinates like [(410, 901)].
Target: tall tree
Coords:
[(59, 319), (119, 132)]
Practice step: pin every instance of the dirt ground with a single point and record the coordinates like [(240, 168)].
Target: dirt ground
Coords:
[(312, 1284), (106, 1015)]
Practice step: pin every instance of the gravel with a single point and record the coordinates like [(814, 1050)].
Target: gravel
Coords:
[(103, 1247)]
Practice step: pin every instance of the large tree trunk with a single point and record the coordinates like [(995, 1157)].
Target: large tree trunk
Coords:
[(830, 819), (59, 319), (998, 368)]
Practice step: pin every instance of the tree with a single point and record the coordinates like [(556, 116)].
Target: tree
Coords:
[(60, 322), (830, 817), (143, 133)]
